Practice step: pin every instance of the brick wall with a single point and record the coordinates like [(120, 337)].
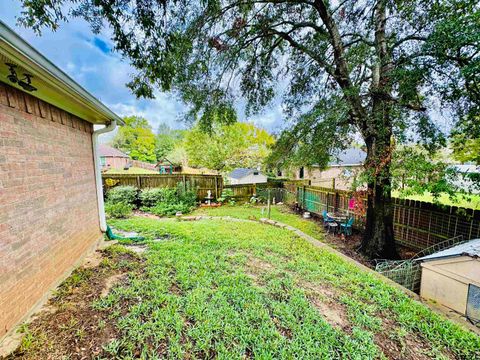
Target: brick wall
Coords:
[(48, 204)]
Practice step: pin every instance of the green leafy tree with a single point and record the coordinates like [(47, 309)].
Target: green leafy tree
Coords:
[(228, 146), (455, 44), (166, 140), (347, 68), (466, 149), (136, 139)]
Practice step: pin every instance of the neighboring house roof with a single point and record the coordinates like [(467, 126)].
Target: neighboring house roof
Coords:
[(470, 248), (108, 151), (164, 162), (53, 85), (240, 173), (349, 157)]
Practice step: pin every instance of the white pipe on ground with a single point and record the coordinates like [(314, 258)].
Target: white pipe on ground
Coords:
[(98, 173)]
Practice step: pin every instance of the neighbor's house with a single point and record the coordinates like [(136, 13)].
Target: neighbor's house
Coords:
[(451, 277), (245, 176), (111, 158), (51, 204), (343, 168)]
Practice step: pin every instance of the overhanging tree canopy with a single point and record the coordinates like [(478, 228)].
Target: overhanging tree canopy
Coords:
[(343, 68)]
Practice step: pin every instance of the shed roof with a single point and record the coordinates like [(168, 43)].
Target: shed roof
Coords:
[(108, 151), (53, 85), (349, 157), (470, 248), (239, 173)]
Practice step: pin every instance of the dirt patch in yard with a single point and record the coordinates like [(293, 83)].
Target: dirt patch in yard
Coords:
[(255, 268), (68, 326), (325, 300), (407, 346), (321, 297)]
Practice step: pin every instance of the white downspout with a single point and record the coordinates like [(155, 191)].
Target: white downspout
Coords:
[(98, 172)]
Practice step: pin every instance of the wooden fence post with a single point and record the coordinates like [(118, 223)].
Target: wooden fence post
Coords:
[(337, 195), (303, 197)]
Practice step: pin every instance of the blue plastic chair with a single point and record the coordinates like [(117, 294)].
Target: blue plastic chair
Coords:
[(347, 227), (326, 218)]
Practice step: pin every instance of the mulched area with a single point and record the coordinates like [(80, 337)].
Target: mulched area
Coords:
[(68, 324)]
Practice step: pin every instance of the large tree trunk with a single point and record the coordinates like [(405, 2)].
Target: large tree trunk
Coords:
[(378, 240)]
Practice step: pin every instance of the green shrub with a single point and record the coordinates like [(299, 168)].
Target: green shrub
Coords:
[(227, 197), (167, 201), (165, 209), (186, 194), (118, 210), (151, 197), (123, 194)]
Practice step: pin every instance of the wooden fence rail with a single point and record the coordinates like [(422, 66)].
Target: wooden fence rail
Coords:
[(242, 192), (202, 183), (417, 224)]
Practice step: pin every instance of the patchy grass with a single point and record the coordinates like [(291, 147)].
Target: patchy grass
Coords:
[(236, 290), (68, 326), (132, 170), (466, 201), (278, 213), (285, 215)]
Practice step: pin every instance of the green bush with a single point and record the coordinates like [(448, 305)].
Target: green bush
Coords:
[(118, 210), (165, 209), (227, 195), (123, 194), (167, 201), (186, 194), (151, 197)]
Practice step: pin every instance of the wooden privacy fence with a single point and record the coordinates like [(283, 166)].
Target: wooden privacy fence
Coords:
[(202, 183), (244, 192), (417, 224)]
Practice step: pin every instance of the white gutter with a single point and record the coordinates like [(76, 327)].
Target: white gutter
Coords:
[(98, 173)]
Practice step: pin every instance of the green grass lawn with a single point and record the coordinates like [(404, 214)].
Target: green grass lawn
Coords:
[(466, 201), (278, 213), (236, 290), (132, 170)]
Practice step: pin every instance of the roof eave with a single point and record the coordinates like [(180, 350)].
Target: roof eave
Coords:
[(24, 55)]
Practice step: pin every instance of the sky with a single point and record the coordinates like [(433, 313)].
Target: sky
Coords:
[(89, 60)]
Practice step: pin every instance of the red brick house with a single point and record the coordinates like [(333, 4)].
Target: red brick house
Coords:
[(111, 158), (51, 204)]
